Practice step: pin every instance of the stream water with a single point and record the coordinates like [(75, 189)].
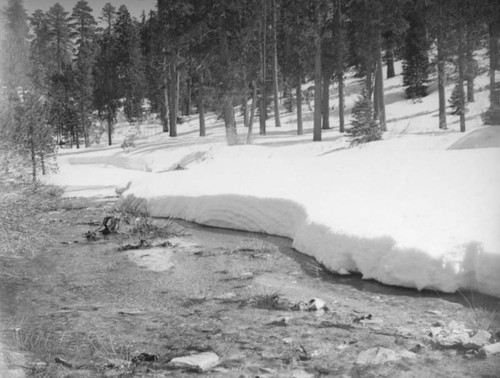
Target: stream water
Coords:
[(213, 237)]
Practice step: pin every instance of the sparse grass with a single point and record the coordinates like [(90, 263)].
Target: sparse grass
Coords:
[(255, 247), (136, 220), (268, 300), (131, 206), (21, 231), (480, 317), (34, 340)]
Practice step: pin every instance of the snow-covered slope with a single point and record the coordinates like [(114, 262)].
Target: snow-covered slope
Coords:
[(405, 211)]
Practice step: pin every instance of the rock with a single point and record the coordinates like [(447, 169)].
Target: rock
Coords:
[(434, 312), (200, 362), (407, 354), (454, 339), (416, 349), (488, 350), (226, 296), (280, 322), (439, 323), (480, 339), (377, 356), (301, 374), (246, 275), (317, 304)]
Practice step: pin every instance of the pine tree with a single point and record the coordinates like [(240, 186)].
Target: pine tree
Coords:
[(106, 96), (84, 26), (60, 73), (416, 66), (364, 126), (130, 64)]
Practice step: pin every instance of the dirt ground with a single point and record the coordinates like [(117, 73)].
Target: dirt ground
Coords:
[(81, 308)]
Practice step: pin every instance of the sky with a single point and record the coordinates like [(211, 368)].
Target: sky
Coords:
[(135, 7)]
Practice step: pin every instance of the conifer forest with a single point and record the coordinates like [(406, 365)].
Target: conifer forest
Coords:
[(65, 70)]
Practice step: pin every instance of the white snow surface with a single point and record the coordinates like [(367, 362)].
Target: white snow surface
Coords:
[(404, 211)]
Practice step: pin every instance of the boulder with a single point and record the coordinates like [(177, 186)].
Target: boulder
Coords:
[(199, 362), (479, 340), (377, 356)]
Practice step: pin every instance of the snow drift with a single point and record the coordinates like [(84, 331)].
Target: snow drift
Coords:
[(427, 220)]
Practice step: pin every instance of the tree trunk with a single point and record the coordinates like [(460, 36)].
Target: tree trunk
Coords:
[(42, 163), (172, 100), (231, 133), (317, 75), (77, 137), (32, 149), (188, 95), (461, 74), (441, 61), (252, 111), (244, 110), (470, 66), (277, 121), (380, 86), (164, 96), (201, 107), (300, 128), (109, 120), (340, 65), (326, 102), (389, 59), (493, 47), (263, 52)]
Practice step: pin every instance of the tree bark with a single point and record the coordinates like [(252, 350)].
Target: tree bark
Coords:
[(263, 94), (493, 47), (317, 75), (201, 107), (172, 99), (189, 84), (252, 111), (380, 86), (461, 74), (275, 69), (389, 59), (441, 61), (340, 66), (470, 66), (326, 102), (300, 128), (231, 133)]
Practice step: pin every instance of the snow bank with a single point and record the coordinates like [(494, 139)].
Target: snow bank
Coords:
[(421, 219)]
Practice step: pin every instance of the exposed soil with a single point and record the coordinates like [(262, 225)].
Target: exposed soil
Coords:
[(82, 308)]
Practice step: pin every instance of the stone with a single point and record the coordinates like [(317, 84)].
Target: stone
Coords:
[(434, 312), (479, 340), (407, 354), (377, 356), (301, 374), (488, 350), (246, 275), (200, 362), (317, 304), (455, 339)]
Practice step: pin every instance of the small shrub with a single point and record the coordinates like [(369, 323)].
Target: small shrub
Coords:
[(131, 206), (364, 127), (492, 116), (454, 100)]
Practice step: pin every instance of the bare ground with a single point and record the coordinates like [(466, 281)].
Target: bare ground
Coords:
[(81, 308)]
